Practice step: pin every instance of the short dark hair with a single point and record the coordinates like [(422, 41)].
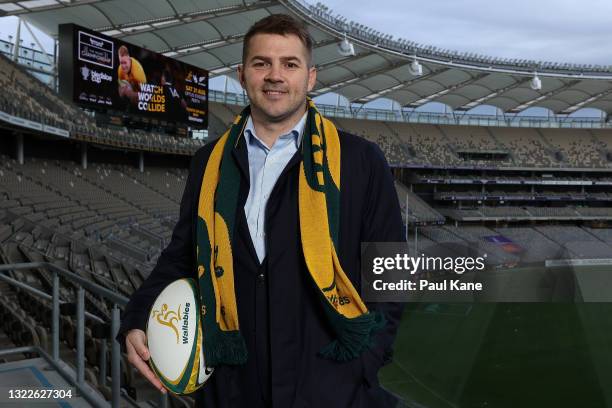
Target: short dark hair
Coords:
[(281, 24)]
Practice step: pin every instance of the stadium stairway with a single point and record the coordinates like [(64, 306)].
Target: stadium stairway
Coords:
[(36, 373), (24, 238), (25, 320)]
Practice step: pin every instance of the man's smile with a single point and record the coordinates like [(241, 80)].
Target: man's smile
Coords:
[(273, 92)]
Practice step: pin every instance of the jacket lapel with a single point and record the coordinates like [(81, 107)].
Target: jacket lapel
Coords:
[(241, 156)]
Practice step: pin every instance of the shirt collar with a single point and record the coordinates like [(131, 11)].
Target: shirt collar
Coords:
[(297, 132)]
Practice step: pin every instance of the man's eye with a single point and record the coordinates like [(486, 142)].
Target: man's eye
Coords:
[(292, 65), (259, 64)]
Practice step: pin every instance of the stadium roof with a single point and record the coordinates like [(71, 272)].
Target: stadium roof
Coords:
[(209, 34)]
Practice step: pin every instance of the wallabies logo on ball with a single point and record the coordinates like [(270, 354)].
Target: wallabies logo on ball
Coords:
[(169, 318)]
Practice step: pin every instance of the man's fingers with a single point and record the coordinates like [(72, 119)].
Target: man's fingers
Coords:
[(138, 339), (141, 349), (136, 349), (144, 369)]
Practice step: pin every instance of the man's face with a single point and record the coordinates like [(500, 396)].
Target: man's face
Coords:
[(126, 63), (276, 77)]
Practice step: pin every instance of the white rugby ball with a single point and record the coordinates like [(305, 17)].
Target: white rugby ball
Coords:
[(174, 337)]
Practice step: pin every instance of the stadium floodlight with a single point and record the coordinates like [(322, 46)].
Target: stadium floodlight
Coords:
[(536, 82), (346, 48), (415, 68)]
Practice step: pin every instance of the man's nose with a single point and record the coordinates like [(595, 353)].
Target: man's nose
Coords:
[(274, 73)]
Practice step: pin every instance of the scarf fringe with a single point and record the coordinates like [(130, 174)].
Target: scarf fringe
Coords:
[(228, 348), (354, 336)]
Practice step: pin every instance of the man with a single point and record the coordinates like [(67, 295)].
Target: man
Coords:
[(129, 74), (295, 263)]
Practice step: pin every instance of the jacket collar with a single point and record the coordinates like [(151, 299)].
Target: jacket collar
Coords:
[(240, 154)]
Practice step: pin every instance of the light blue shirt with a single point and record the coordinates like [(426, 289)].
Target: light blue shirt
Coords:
[(265, 166)]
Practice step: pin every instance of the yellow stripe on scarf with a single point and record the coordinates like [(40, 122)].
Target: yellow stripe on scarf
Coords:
[(227, 311), (319, 251)]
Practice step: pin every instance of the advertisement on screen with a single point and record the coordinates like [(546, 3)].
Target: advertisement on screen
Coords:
[(104, 72)]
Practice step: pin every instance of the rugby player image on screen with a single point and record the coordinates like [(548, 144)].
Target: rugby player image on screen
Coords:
[(271, 224), (176, 107), (129, 74)]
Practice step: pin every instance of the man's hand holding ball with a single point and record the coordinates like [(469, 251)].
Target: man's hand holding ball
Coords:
[(138, 355)]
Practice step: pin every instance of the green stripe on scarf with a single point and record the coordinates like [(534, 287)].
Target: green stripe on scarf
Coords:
[(319, 213)]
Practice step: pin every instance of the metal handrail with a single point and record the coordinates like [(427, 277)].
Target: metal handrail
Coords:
[(71, 276), (82, 285)]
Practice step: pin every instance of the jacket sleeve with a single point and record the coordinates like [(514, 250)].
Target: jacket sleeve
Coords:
[(382, 223), (175, 262)]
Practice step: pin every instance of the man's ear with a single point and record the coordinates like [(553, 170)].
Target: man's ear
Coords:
[(312, 77), (241, 75)]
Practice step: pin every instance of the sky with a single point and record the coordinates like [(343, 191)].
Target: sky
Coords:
[(543, 30), (8, 27), (550, 30), (547, 30)]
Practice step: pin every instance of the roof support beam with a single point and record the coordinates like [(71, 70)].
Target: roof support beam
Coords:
[(361, 77), (399, 86), (584, 102), (144, 26), (58, 5), (205, 46), (321, 67), (202, 46), (540, 98), (446, 90), (493, 94)]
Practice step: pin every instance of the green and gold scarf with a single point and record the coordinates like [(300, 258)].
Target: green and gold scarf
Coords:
[(319, 212)]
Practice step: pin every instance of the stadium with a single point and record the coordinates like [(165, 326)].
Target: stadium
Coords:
[(89, 196)]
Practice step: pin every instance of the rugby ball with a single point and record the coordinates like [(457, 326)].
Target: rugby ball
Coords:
[(174, 338)]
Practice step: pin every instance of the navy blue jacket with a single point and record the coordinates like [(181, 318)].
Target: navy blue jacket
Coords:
[(280, 313)]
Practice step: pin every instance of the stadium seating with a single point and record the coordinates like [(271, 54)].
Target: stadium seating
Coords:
[(516, 213), (395, 151), (552, 212), (471, 138), (428, 143), (78, 203), (509, 245), (564, 234), (503, 211), (596, 212), (478, 238), (603, 234), (534, 246), (578, 147), (434, 145), (418, 210)]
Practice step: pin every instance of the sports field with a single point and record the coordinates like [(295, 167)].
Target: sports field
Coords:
[(503, 355)]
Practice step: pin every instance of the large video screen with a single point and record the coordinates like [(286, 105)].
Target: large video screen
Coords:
[(100, 71)]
